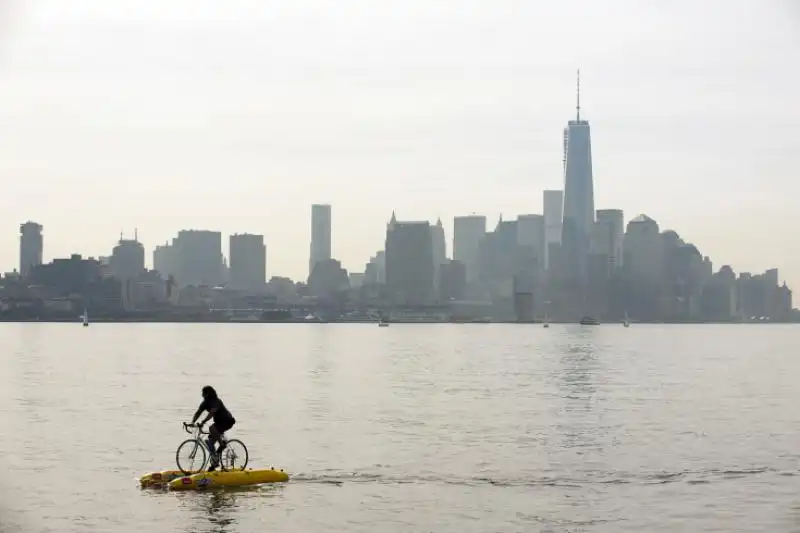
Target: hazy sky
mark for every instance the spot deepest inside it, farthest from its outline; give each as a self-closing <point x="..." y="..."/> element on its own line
<point x="238" y="115"/>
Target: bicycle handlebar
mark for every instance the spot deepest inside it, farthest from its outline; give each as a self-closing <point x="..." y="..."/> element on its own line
<point x="186" y="427"/>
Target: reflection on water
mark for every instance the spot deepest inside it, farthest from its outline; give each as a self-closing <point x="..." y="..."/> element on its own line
<point x="581" y="363"/>
<point x="219" y="508"/>
<point x="410" y="428"/>
<point x="218" y="511"/>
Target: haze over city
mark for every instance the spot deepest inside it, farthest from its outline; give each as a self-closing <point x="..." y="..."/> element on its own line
<point x="237" y="117"/>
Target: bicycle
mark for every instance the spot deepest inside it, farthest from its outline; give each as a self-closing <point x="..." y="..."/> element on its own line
<point x="229" y="455"/>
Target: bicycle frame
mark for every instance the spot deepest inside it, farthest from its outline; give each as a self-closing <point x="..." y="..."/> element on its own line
<point x="197" y="439"/>
<point x="198" y="431"/>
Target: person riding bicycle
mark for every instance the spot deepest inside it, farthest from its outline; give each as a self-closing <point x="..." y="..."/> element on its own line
<point x="223" y="421"/>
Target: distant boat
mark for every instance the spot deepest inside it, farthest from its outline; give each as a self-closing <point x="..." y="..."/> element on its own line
<point x="383" y="324"/>
<point x="85" y="317"/>
<point x="589" y="321"/>
<point x="626" y="322"/>
<point x="545" y="323"/>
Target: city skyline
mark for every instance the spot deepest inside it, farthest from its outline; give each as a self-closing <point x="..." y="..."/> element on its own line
<point x="699" y="139"/>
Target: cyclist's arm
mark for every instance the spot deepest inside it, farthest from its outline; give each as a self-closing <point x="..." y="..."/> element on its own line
<point x="208" y="417"/>
<point x="199" y="411"/>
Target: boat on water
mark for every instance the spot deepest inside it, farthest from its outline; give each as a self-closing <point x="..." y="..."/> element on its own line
<point x="160" y="479"/>
<point x="383" y="324"/>
<point x="589" y="321"/>
<point x="240" y="478"/>
<point x="177" y="480"/>
<point x="85" y="317"/>
<point x="626" y="322"/>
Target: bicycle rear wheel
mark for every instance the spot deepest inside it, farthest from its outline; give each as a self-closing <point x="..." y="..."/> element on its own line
<point x="191" y="456"/>
<point x="234" y="455"/>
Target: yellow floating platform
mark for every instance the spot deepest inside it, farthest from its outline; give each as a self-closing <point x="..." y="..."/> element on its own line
<point x="159" y="479"/>
<point x="237" y="478"/>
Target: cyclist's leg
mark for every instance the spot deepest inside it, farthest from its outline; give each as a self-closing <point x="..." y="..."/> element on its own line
<point x="221" y="429"/>
<point x="213" y="437"/>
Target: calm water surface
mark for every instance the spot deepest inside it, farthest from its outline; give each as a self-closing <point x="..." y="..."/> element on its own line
<point x="424" y="428"/>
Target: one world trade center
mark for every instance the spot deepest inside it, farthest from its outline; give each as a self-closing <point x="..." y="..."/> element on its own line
<point x="578" y="221"/>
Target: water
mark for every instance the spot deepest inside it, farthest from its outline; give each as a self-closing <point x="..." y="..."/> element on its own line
<point x="429" y="428"/>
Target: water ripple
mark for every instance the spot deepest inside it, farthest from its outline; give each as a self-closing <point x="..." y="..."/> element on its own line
<point x="409" y="428"/>
<point x="599" y="478"/>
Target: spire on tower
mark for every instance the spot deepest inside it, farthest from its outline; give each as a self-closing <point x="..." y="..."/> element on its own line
<point x="578" y="107"/>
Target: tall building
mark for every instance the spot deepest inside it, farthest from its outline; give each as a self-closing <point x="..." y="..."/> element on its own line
<point x="553" y="202"/>
<point x="409" y="262"/>
<point x="164" y="260"/>
<point x="320" y="235"/>
<point x="30" y="247"/>
<point x="248" y="261"/>
<point x="609" y="232"/>
<point x="452" y="281"/>
<point x="127" y="258"/>
<point x="328" y="279"/>
<point x="578" y="219"/>
<point x="375" y="270"/>
<point x="643" y="249"/>
<point x="531" y="234"/>
<point x="439" y="249"/>
<point x="198" y="257"/>
<point x="643" y="268"/>
<point x="498" y="259"/>
<point x="468" y="232"/>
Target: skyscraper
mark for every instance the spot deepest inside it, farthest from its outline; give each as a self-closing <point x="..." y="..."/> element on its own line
<point x="409" y="261"/>
<point x="30" y="247"/>
<point x="553" y="202"/>
<point x="248" y="258"/>
<point x="612" y="232"/>
<point x="127" y="258"/>
<point x="468" y="231"/>
<point x="320" y="235"/>
<point x="439" y="249"/>
<point x="164" y="260"/>
<point x="531" y="234"/>
<point x="579" y="214"/>
<point x="198" y="257"/>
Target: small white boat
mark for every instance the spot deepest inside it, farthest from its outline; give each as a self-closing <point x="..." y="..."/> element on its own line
<point x="383" y="324"/>
<point x="85" y="317"/>
<point x="626" y="322"/>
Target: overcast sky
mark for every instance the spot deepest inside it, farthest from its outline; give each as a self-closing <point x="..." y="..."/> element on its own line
<point x="237" y="115"/>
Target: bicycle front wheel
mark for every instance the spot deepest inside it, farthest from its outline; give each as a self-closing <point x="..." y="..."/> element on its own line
<point x="191" y="456"/>
<point x="234" y="455"/>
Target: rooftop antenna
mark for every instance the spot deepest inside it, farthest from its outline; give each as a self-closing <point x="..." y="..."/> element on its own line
<point x="136" y="234"/>
<point x="578" y="107"/>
